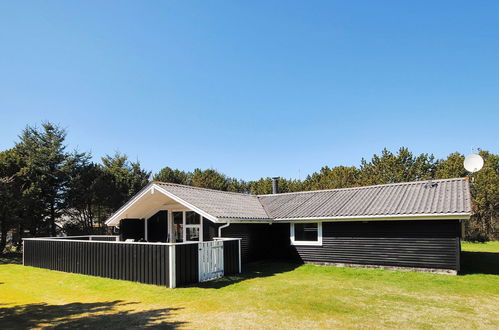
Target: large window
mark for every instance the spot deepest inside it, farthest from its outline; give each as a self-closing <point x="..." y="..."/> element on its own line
<point x="178" y="226"/>
<point x="306" y="233"/>
<point x="186" y="226"/>
<point x="192" y="226"/>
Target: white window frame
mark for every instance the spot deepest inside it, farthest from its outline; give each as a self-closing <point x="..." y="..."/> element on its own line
<point x="199" y="226"/>
<point x="185" y="226"/>
<point x="315" y="243"/>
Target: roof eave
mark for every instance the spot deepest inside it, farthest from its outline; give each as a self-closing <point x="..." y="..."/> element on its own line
<point x="123" y="208"/>
<point x="112" y="219"/>
<point x="252" y="220"/>
<point x="187" y="204"/>
<point x="430" y="216"/>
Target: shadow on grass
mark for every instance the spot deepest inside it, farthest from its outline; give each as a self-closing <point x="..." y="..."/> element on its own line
<point x="11" y="258"/>
<point x="479" y="263"/>
<point x="88" y="315"/>
<point x="252" y="270"/>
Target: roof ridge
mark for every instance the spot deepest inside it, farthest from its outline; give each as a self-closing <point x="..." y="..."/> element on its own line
<point x="201" y="188"/>
<point x="366" y="187"/>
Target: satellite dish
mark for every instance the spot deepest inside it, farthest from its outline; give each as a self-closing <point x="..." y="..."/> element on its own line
<point x="473" y="163"/>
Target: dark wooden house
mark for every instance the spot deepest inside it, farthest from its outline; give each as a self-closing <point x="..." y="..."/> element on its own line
<point x="414" y="225"/>
<point x="175" y="235"/>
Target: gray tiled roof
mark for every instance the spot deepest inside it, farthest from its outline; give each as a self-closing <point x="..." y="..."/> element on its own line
<point x="447" y="197"/>
<point x="220" y="204"/>
<point x="442" y="197"/>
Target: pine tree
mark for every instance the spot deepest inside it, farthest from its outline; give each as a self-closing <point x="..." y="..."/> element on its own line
<point x="45" y="175"/>
<point x="10" y="194"/>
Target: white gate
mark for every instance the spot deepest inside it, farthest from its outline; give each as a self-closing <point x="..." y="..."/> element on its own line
<point x="211" y="260"/>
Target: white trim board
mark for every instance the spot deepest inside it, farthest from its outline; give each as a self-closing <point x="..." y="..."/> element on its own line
<point x="306" y="243"/>
<point x="132" y="201"/>
<point x="171" y="267"/>
<point x="188" y="205"/>
<point x="106" y="242"/>
<point x="152" y="188"/>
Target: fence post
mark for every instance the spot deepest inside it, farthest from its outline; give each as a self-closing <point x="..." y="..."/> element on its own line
<point x="200" y="264"/>
<point x="239" y="248"/>
<point x="171" y="266"/>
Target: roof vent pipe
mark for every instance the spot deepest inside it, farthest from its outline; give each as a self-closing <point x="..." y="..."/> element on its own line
<point x="430" y="184"/>
<point x="275" y="185"/>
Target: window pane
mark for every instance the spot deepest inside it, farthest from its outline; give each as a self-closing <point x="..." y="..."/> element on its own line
<point x="306" y="232"/>
<point x="192" y="234"/>
<point x="177" y="218"/>
<point x="192" y="218"/>
<point x="178" y="232"/>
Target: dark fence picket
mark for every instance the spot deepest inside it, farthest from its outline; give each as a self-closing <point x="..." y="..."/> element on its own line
<point x="146" y="263"/>
<point x="140" y="262"/>
<point x="231" y="257"/>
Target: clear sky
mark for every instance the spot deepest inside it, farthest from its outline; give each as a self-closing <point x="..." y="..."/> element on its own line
<point x="253" y="88"/>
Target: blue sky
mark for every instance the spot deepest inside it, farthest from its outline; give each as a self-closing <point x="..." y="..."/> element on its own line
<point x="253" y="88"/>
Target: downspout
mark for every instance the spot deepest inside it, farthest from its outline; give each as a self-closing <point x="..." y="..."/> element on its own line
<point x="221" y="227"/>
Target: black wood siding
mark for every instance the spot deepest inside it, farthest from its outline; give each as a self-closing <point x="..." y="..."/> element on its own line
<point x="424" y="243"/>
<point x="231" y="257"/>
<point x="145" y="263"/>
<point x="132" y="229"/>
<point x="418" y="243"/>
<point x="186" y="264"/>
<point x="255" y="239"/>
<point x="210" y="229"/>
<point x="157" y="227"/>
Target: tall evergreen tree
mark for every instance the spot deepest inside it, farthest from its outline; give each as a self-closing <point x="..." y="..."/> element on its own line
<point x="168" y="174"/>
<point x="393" y="168"/>
<point x="484" y="224"/>
<point x="124" y="179"/>
<point x="451" y="167"/>
<point x="86" y="197"/>
<point x="261" y="186"/>
<point x="46" y="165"/>
<point x="332" y="178"/>
<point x="209" y="178"/>
<point x="10" y="194"/>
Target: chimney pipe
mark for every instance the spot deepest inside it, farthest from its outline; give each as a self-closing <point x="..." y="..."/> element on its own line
<point x="275" y="185"/>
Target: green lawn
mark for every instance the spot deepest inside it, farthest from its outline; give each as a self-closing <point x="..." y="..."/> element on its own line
<point x="481" y="247"/>
<point x="268" y="295"/>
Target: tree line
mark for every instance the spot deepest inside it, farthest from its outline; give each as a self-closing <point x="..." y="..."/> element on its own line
<point x="46" y="189"/>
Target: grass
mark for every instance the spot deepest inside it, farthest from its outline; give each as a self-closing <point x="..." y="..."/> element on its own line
<point x="481" y="247"/>
<point x="268" y="295"/>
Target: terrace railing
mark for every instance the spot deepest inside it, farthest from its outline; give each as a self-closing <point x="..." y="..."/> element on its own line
<point x="91" y="237"/>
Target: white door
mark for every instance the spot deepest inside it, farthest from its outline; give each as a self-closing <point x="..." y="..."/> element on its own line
<point x="211" y="260"/>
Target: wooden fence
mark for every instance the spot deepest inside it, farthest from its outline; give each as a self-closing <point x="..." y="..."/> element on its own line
<point x="166" y="264"/>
